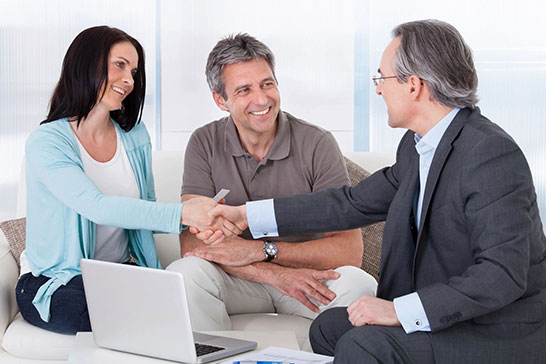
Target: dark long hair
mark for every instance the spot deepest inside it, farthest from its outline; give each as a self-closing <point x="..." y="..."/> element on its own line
<point x="85" y="74"/>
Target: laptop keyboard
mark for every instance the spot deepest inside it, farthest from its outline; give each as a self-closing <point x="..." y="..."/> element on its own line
<point x="203" y="349"/>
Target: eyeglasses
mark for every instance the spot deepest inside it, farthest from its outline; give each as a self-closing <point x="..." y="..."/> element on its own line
<point x="378" y="79"/>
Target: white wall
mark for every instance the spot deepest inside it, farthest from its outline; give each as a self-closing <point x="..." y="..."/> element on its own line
<point x="316" y="43"/>
<point x="313" y="42"/>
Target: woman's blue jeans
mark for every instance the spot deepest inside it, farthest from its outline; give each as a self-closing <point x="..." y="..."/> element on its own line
<point x="68" y="306"/>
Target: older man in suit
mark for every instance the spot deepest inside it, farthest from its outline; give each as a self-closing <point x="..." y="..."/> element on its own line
<point x="463" y="270"/>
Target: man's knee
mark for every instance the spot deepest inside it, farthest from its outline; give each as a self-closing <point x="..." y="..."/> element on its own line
<point x="357" y="345"/>
<point x="201" y="277"/>
<point x="327" y="328"/>
<point x="193" y="268"/>
<point x="383" y="344"/>
<point x="318" y="336"/>
<point x="352" y="284"/>
<point x="187" y="264"/>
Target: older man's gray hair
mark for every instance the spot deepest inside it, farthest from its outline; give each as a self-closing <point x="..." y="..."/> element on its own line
<point x="233" y="49"/>
<point x="436" y="52"/>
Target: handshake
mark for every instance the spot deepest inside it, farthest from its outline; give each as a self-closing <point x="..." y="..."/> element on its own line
<point x="213" y="222"/>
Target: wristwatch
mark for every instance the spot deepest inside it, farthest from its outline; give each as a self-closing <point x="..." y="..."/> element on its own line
<point x="270" y="250"/>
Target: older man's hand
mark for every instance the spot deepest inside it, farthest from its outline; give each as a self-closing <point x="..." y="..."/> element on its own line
<point x="369" y="310"/>
<point x="304" y="284"/>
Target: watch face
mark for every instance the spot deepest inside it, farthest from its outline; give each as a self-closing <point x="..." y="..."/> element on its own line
<point x="271" y="249"/>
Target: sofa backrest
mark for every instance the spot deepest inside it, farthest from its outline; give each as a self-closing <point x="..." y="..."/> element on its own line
<point x="167" y="169"/>
<point x="371" y="161"/>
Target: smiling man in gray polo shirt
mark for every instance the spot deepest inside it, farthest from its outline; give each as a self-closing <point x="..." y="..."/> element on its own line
<point x="260" y="152"/>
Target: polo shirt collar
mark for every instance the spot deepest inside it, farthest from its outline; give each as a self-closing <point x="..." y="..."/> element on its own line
<point x="279" y="150"/>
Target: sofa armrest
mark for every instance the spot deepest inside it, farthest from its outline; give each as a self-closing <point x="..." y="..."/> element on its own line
<point x="8" y="280"/>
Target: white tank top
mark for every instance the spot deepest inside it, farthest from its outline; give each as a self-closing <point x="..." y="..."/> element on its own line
<point x="116" y="178"/>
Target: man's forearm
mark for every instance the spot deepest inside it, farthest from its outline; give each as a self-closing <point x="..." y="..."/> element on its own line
<point x="330" y="252"/>
<point x="334" y="250"/>
<point x="256" y="272"/>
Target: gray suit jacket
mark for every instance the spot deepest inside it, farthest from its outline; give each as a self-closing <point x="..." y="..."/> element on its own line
<point x="478" y="261"/>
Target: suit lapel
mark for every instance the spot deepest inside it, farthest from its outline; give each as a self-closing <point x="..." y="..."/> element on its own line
<point x="438" y="162"/>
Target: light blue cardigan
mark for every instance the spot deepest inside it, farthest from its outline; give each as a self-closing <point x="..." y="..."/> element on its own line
<point x="63" y="206"/>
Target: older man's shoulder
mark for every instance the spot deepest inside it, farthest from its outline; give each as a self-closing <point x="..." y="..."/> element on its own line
<point x="304" y="128"/>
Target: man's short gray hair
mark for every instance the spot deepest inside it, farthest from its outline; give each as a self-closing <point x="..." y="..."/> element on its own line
<point x="436" y="52"/>
<point x="233" y="49"/>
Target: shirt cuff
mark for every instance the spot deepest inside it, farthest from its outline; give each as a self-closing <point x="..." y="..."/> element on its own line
<point x="261" y="218"/>
<point x="411" y="313"/>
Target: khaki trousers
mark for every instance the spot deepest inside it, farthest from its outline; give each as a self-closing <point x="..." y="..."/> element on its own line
<point x="213" y="294"/>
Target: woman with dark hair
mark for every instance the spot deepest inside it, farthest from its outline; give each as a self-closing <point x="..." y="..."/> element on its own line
<point x="90" y="190"/>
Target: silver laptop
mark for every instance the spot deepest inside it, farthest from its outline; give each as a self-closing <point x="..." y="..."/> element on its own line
<point x="145" y="311"/>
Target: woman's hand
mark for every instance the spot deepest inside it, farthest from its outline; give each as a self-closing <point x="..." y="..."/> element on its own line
<point x="234" y="215"/>
<point x="195" y="213"/>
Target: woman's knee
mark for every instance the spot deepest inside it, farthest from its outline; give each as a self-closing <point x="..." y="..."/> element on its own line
<point x="69" y="313"/>
<point x="68" y="307"/>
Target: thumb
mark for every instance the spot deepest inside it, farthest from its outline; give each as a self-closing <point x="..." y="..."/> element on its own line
<point x="214" y="213"/>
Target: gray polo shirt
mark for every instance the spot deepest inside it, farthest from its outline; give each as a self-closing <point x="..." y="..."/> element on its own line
<point x="303" y="158"/>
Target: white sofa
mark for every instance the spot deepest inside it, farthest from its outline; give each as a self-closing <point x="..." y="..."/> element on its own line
<point x="23" y="343"/>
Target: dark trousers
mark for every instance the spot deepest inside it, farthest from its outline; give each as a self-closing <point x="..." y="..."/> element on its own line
<point x="332" y="334"/>
<point x="68" y="305"/>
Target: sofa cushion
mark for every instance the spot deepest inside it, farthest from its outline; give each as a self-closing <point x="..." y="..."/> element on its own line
<point x="24" y="340"/>
<point x="274" y="322"/>
<point x="15" y="233"/>
<point x="372" y="235"/>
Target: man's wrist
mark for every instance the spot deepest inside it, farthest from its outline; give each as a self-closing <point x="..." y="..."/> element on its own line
<point x="258" y="251"/>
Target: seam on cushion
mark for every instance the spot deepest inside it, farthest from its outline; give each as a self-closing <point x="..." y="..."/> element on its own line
<point x="4" y="240"/>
